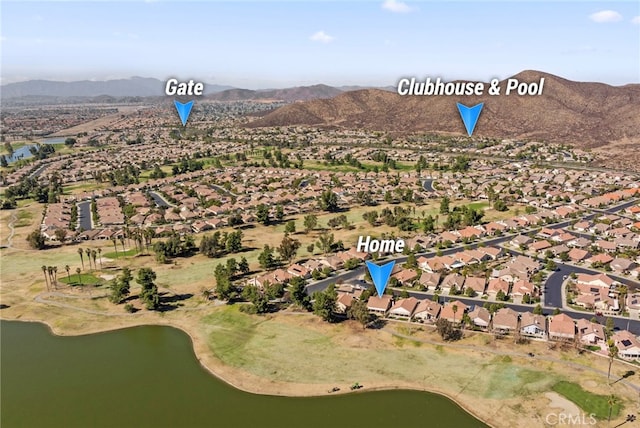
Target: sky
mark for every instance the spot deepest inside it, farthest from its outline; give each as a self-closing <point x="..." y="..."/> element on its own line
<point x="266" y="44"/>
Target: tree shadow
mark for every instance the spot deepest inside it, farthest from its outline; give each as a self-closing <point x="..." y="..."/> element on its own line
<point x="3" y="306"/>
<point x="175" y="298"/>
<point x="627" y="374"/>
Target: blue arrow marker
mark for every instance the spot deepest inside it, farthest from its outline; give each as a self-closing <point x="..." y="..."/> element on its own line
<point x="470" y="116"/>
<point x="183" y="110"/>
<point x="380" y="275"/>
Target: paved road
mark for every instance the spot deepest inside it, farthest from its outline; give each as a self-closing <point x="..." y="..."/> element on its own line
<point x="84" y="215"/>
<point x="428" y="185"/>
<point x="159" y="200"/>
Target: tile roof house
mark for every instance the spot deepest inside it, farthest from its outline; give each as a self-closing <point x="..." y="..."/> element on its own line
<point x="561" y="327"/>
<point x="628" y="345"/>
<point x="404" y="308"/>
<point x="480" y="317"/>
<point x="505" y="320"/>
<point x="379" y="305"/>
<point x="427" y="310"/>
<point x="533" y="325"/>
<point x="590" y="333"/>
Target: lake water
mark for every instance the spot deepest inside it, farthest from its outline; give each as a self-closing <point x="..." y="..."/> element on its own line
<point x="24" y="153"/>
<point x="149" y="377"/>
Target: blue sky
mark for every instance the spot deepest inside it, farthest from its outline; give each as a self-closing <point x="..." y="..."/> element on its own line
<point x="275" y="44"/>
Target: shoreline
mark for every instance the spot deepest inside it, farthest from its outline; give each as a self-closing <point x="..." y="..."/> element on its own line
<point x="259" y="391"/>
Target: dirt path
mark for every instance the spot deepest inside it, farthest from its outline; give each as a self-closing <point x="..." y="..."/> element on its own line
<point x="12" y="229"/>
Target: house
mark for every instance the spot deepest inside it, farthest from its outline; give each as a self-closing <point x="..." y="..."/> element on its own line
<point x="495" y="286"/>
<point x="633" y="301"/>
<point x="598" y="280"/>
<point x="404" y="308"/>
<point x="406" y="276"/>
<point x="477" y="284"/>
<point x="621" y="265"/>
<point x="429" y="280"/>
<point x="344" y="302"/>
<point x="427" y="311"/>
<point x="505" y="321"/>
<point x="450" y="281"/>
<point x="299" y="270"/>
<point x="540" y="246"/>
<point x="577" y="255"/>
<point x="590" y="333"/>
<point x="628" y="345"/>
<point x="521" y="240"/>
<point x="480" y="317"/>
<point x="533" y="325"/>
<point x="562" y="328"/>
<point x="601" y="259"/>
<point x="522" y="287"/>
<point x="379" y="305"/>
<point x="453" y="310"/>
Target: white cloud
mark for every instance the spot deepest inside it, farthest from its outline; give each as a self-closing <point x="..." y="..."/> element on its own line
<point x="396" y="6"/>
<point x="636" y="20"/>
<point x="322" y="37"/>
<point x="605" y="16"/>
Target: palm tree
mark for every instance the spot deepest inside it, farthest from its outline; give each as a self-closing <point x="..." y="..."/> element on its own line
<point x="79" y="277"/>
<point x="115" y="247"/>
<point x="55" y="276"/>
<point x="81" y="257"/>
<point x="67" y="268"/>
<point x="100" y="254"/>
<point x="454" y="308"/>
<point x="44" y="271"/>
<point x="611" y="401"/>
<point x="94" y="254"/>
<point x="50" y="272"/>
<point x="88" y="253"/>
<point x="613" y="351"/>
<point x="206" y="294"/>
<point x="121" y="239"/>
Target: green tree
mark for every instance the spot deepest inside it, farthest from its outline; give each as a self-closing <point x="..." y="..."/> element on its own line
<point x="279" y="212"/>
<point x="149" y="293"/>
<point x="243" y="265"/>
<point x="298" y="292"/>
<point x="224" y="287"/>
<point x="444" y="205"/>
<point x="310" y="222"/>
<point x="262" y="214"/>
<point x="266" y="259"/>
<point x="328" y="201"/>
<point x="288" y="248"/>
<point x="359" y="312"/>
<point x="324" y="304"/>
<point x="36" y="240"/>
<point x="290" y="227"/>
<point x="538" y="309"/>
<point x="325" y="242"/>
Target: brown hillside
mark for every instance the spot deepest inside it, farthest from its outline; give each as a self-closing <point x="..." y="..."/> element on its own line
<point x="581" y="113"/>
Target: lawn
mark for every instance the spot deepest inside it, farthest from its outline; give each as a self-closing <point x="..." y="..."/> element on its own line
<point x="112" y="255"/>
<point x="84" y="279"/>
<point x="587" y="401"/>
<point x="23" y="218"/>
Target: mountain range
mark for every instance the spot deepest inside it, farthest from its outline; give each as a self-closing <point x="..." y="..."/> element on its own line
<point x="132" y="87"/>
<point x="581" y="113"/>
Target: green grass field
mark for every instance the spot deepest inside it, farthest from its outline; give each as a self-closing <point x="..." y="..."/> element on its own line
<point x="23" y="218"/>
<point x="587" y="401"/>
<point x="83" y="279"/>
<point x="128" y="253"/>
